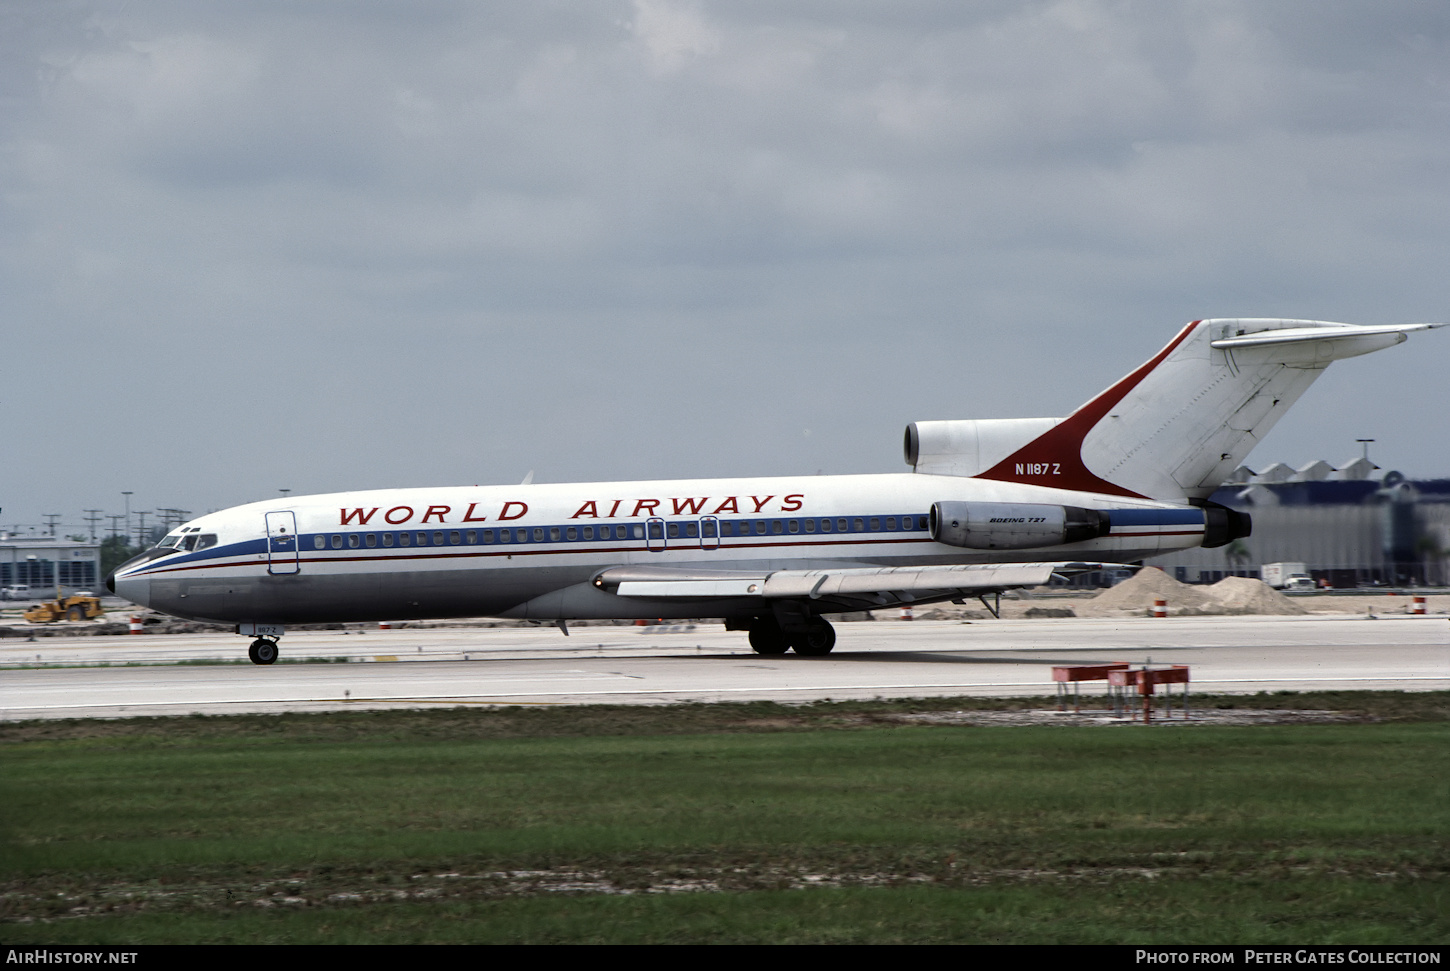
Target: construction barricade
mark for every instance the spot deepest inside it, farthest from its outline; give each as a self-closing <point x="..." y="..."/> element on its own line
<point x="1075" y="674"/>
<point x="1142" y="681"/>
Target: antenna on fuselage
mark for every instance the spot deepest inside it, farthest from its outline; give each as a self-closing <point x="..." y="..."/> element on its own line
<point x="528" y="479"/>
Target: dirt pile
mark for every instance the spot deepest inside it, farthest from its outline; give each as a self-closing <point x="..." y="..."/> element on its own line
<point x="1234" y="595"/>
<point x="1245" y="595"/>
<point x="1136" y="595"/>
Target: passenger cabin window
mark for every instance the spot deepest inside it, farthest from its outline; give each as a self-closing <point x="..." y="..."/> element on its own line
<point x="337" y="542"/>
<point x="387" y="539"/>
<point x="354" y="540"/>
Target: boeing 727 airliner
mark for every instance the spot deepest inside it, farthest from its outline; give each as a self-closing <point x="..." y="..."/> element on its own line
<point x="989" y="505"/>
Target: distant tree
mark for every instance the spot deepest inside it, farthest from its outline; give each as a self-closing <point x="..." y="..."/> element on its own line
<point x="115" y="551"/>
<point x="78" y="537"/>
<point x="1237" y="553"/>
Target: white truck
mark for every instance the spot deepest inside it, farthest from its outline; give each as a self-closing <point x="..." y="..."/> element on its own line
<point x="1287" y="576"/>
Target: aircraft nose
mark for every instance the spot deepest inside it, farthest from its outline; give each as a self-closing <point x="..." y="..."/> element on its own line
<point x="135" y="589"/>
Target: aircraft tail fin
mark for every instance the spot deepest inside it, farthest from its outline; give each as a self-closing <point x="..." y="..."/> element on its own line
<point x="1175" y="427"/>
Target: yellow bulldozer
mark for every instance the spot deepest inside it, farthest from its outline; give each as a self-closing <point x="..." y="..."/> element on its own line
<point x="78" y="607"/>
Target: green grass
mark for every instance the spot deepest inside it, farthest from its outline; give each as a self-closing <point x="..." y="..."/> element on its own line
<point x="772" y="823"/>
<point x="1142" y="912"/>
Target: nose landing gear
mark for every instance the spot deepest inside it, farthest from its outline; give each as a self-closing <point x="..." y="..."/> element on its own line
<point x="263" y="651"/>
<point x="264" y="648"/>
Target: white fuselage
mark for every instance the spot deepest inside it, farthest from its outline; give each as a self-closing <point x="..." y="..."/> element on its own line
<point x="530" y="551"/>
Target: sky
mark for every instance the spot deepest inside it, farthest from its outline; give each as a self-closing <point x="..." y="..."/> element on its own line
<point x="325" y="246"/>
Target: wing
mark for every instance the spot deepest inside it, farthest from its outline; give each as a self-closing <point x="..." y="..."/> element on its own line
<point x="848" y="589"/>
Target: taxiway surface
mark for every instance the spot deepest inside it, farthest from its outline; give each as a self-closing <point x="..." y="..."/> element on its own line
<point x="62" y="677"/>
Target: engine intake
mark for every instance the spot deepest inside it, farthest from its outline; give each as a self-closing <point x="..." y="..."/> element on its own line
<point x="1013" y="525"/>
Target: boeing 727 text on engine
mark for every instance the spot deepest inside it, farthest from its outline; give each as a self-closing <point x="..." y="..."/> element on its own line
<point x="989" y="505"/>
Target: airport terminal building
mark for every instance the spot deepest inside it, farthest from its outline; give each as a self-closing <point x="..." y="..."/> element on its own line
<point x="41" y="562"/>
<point x="1353" y="526"/>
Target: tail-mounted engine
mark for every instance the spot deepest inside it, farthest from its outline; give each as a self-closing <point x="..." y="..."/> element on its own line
<point x="1014" y="525"/>
<point x="1222" y="525"/>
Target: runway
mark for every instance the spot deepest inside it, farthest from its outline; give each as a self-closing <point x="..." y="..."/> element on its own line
<point x="109" y="677"/>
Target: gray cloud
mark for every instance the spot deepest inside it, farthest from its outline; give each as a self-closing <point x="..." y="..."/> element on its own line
<point x="327" y="246"/>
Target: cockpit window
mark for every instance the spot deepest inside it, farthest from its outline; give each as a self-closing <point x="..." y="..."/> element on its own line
<point x="188" y="538"/>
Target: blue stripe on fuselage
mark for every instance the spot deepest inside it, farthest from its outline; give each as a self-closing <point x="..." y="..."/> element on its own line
<point x="1155" y="517"/>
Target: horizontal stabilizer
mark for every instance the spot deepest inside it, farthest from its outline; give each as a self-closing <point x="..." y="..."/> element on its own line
<point x="1320" y="332"/>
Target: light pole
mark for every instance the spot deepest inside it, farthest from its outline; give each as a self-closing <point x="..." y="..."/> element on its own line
<point x="128" y="517"/>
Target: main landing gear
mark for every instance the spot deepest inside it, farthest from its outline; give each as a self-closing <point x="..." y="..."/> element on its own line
<point x="263" y="651"/>
<point x="814" y="639"/>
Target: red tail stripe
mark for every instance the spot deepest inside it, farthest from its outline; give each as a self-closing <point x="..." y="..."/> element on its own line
<point x="1060" y="448"/>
